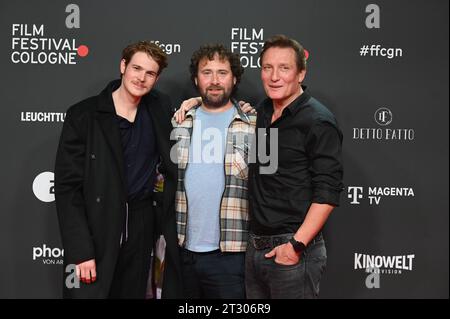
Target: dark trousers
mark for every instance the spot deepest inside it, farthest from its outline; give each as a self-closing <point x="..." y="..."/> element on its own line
<point x="266" y="279"/>
<point x="133" y="264"/>
<point x="213" y="275"/>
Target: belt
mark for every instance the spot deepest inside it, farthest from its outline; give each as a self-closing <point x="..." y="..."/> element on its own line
<point x="270" y="242"/>
<point x="187" y="251"/>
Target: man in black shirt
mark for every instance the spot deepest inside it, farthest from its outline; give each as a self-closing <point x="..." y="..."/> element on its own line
<point x="286" y="255"/>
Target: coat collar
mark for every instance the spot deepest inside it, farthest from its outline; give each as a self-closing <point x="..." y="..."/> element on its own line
<point x="106" y="103"/>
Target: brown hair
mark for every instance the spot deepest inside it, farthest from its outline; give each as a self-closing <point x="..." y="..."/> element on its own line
<point x="209" y="51"/>
<point x="152" y="49"/>
<point x="282" y="41"/>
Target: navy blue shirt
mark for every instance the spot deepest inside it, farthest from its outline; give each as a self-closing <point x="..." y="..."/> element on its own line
<point x="140" y="153"/>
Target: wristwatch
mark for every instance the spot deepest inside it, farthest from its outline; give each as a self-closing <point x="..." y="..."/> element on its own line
<point x="299" y="247"/>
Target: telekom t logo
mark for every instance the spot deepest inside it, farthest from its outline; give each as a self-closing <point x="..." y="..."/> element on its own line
<point x="355" y="193"/>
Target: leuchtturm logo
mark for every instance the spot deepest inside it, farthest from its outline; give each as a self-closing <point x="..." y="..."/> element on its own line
<point x="383" y="116"/>
<point x="375" y="193"/>
<point x="46" y="117"/>
<point x="33" y="44"/>
<point x="43" y="187"/>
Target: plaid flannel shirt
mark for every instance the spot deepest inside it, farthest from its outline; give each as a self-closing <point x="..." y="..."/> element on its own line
<point x="234" y="204"/>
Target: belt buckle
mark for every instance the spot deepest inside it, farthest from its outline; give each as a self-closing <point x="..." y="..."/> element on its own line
<point x="260" y="243"/>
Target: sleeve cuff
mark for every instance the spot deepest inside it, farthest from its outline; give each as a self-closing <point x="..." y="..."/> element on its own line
<point x="327" y="196"/>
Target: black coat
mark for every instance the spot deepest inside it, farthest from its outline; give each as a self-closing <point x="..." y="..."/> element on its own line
<point x="90" y="189"/>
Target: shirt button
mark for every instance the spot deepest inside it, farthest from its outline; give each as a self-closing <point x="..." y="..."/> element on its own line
<point x="98" y="199"/>
<point x="93" y="156"/>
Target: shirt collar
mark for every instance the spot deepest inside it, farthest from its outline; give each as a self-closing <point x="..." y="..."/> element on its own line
<point x="292" y="108"/>
<point x="238" y="114"/>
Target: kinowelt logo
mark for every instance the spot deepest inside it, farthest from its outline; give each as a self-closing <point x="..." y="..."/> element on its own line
<point x="393" y="265"/>
<point x="376" y="265"/>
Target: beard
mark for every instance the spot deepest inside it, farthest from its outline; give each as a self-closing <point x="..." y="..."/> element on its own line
<point x="215" y="101"/>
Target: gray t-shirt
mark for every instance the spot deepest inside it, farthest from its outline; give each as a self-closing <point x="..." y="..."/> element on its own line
<point x="205" y="179"/>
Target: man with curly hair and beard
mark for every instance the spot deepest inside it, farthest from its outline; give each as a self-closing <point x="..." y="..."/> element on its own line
<point x="211" y="199"/>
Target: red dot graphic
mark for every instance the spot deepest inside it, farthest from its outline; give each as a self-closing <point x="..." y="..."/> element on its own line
<point x="83" y="50"/>
<point x="306" y="54"/>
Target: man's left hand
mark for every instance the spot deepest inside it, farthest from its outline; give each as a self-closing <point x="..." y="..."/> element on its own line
<point x="284" y="255"/>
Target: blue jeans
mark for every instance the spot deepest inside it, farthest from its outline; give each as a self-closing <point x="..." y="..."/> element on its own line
<point x="213" y="275"/>
<point x="265" y="279"/>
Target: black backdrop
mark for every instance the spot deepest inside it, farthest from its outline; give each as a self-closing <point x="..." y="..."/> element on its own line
<point x="391" y="103"/>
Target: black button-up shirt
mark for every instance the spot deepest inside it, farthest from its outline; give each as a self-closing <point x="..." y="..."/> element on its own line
<point x="140" y="153"/>
<point x="309" y="169"/>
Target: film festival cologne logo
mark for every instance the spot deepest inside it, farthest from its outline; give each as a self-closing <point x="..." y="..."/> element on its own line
<point x="248" y="43"/>
<point x="33" y="43"/>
